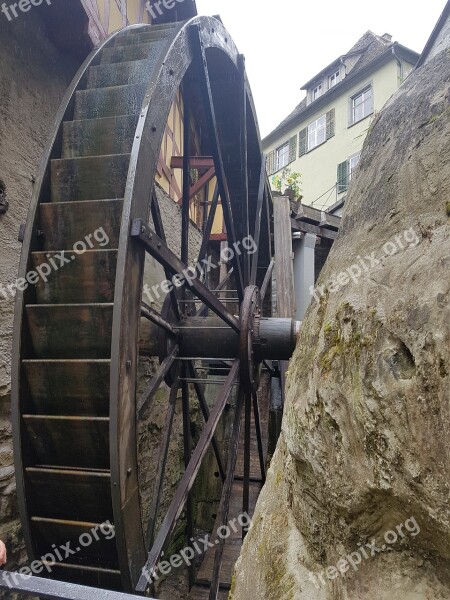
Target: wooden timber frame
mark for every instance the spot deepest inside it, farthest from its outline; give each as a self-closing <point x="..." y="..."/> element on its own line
<point x="76" y="337"/>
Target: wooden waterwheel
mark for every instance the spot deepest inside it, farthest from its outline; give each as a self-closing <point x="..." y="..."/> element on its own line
<point x="76" y="339"/>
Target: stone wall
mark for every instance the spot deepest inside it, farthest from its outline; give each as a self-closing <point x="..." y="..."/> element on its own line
<point x="363" y="456"/>
<point x="34" y="76"/>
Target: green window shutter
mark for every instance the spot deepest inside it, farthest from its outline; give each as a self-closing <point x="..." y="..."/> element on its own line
<point x="342" y="177"/>
<point x="293" y="148"/>
<point x="330" y="123"/>
<point x="270" y="163"/>
<point x="303" y="137"/>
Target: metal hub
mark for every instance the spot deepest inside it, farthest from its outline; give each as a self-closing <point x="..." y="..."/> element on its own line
<point x="250" y="316"/>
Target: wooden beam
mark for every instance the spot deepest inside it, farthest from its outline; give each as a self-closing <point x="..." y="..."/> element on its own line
<point x="308" y="228"/>
<point x="284" y="270"/>
<point x="197" y="162"/>
<point x="319" y="217"/>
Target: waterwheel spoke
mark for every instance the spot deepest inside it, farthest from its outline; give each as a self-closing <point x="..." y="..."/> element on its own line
<point x="224" y="507"/>
<point x="155" y="246"/>
<point x="267" y="279"/>
<point x="256" y="414"/>
<point x="209" y="225"/>
<point x="187" y="481"/>
<point x="149" y="313"/>
<point x="187" y="458"/>
<point x="156" y="381"/>
<point x="162" y="458"/>
<point x="159" y="229"/>
<point x="210" y="114"/>
<point x="258" y="217"/>
<point x="205" y="411"/>
<point x="247" y="455"/>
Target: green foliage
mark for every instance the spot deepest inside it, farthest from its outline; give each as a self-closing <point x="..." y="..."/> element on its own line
<point x="288" y="179"/>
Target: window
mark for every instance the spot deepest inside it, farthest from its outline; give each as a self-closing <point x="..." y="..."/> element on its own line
<point x="282" y="156"/>
<point x="361" y="105"/>
<point x="345" y="171"/>
<point x="321" y="130"/>
<point x="334" y="79"/>
<point x="352" y="164"/>
<point x="317" y="92"/>
<point x="317" y="132"/>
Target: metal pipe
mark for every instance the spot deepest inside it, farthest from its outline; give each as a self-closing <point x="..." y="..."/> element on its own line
<point x="56" y="590"/>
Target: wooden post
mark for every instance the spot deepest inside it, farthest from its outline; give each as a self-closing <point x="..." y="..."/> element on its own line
<point x="284" y="277"/>
<point x="284" y="270"/>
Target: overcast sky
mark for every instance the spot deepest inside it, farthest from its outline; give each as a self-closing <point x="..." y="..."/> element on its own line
<point x="286" y="42"/>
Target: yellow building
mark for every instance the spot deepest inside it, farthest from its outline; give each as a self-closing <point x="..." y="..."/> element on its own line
<point x="323" y="137"/>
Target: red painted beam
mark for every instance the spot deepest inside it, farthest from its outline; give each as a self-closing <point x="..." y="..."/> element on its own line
<point x="197" y="162"/>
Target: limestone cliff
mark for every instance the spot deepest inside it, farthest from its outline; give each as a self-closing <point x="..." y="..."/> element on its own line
<point x="356" y="505"/>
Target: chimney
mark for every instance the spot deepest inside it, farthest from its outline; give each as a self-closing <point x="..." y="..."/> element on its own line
<point x="387" y="37"/>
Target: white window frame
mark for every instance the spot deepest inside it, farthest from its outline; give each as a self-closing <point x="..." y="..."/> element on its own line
<point x="282" y="156"/>
<point x="353" y="162"/>
<point x="317" y="91"/>
<point x="334" y="79"/>
<point x="366" y="103"/>
<point x="316" y="130"/>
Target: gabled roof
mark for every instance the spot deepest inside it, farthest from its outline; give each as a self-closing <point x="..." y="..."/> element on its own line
<point x="439" y="25"/>
<point x="369" y="41"/>
<point x="373" y="51"/>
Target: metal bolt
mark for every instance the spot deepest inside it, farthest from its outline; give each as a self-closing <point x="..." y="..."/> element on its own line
<point x="142" y="229"/>
<point x="128" y="364"/>
<point x="129" y="471"/>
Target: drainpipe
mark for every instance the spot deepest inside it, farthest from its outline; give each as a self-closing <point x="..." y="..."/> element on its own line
<point x="399" y="62"/>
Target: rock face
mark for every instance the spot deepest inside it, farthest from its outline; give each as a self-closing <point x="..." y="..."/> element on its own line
<point x="356" y="505"/>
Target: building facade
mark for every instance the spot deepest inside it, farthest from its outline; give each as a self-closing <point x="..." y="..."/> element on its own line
<point x="323" y="137"/>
